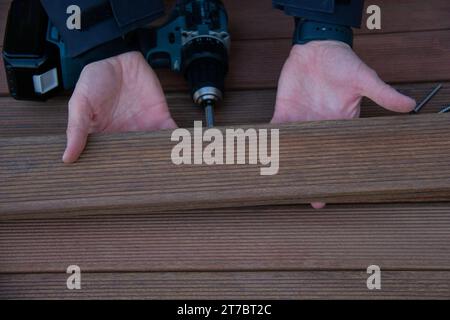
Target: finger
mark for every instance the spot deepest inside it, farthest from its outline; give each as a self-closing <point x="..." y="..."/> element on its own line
<point x="384" y="95"/>
<point x="77" y="129"/>
<point x="168" y="124"/>
<point x="318" y="205"/>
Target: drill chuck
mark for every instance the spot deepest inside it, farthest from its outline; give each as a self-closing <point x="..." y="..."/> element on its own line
<point x="206" y="78"/>
<point x="207" y="93"/>
<point x="205" y="69"/>
<point x="207" y="97"/>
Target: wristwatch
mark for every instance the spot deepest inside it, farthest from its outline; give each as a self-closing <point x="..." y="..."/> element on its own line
<point x="308" y="30"/>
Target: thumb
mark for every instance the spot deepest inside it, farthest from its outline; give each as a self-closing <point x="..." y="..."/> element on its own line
<point x="77" y="129"/>
<point x="384" y="95"/>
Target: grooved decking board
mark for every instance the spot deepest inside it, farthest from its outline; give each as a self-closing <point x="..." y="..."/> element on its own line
<point x="395" y="237"/>
<point x="24" y="118"/>
<point x="400" y="57"/>
<point x="378" y="159"/>
<point x="229" y="285"/>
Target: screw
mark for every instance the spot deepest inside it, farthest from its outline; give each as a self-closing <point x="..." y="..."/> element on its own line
<point x="445" y="109"/>
<point x="427" y="99"/>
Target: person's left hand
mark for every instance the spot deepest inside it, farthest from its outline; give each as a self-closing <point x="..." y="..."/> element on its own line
<point x="326" y="80"/>
<point x="119" y="94"/>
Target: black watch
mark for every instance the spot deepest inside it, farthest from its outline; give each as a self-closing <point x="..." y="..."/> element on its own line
<point x="308" y="30"/>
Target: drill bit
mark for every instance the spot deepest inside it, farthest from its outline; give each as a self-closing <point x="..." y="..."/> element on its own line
<point x="427" y="99"/>
<point x="208" y="105"/>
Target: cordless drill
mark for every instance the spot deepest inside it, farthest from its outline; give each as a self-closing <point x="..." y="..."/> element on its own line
<point x="194" y="41"/>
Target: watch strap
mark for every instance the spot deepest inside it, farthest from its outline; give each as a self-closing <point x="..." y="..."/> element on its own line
<point x="308" y="30"/>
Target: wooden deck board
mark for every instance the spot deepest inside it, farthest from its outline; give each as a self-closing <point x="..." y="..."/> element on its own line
<point x="25" y="118"/>
<point x="251" y="21"/>
<point x="395" y="237"/>
<point x="229" y="285"/>
<point x="377" y="159"/>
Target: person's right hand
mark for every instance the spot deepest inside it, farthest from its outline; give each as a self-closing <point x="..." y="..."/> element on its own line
<point x="119" y="94"/>
<point x="326" y="80"/>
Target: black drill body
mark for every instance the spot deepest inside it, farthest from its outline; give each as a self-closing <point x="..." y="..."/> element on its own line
<point x="195" y="41"/>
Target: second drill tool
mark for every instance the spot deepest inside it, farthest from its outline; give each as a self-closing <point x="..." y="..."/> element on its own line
<point x="194" y="41"/>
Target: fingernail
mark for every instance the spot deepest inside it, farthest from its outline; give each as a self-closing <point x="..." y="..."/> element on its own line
<point x="318" y="205"/>
<point x="65" y="156"/>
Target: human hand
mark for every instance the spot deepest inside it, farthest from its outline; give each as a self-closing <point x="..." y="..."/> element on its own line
<point x="326" y="80"/>
<point x="119" y="94"/>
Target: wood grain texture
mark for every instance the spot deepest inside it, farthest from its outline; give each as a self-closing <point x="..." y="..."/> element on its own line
<point x="378" y="159"/>
<point x="250" y="21"/>
<point x="25" y="118"/>
<point x="290" y="238"/>
<point x="229" y="285"/>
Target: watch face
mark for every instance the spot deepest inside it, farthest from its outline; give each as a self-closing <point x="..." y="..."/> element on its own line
<point x="25" y="35"/>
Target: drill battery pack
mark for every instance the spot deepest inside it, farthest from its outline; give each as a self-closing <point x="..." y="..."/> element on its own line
<point x="32" y="63"/>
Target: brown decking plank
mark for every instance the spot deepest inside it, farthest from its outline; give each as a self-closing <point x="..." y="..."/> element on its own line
<point x="395" y="237"/>
<point x="255" y="19"/>
<point x="229" y="285"/>
<point x="377" y="159"/>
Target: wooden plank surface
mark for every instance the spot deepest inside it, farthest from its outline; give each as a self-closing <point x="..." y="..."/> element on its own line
<point x="229" y="285"/>
<point x="25" y="118"/>
<point x="395" y="237"/>
<point x="378" y="159"/>
<point x="250" y="21"/>
<point x="261" y="252"/>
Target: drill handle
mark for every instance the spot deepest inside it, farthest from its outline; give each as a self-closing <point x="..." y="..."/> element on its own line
<point x="162" y="46"/>
<point x="156" y="56"/>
